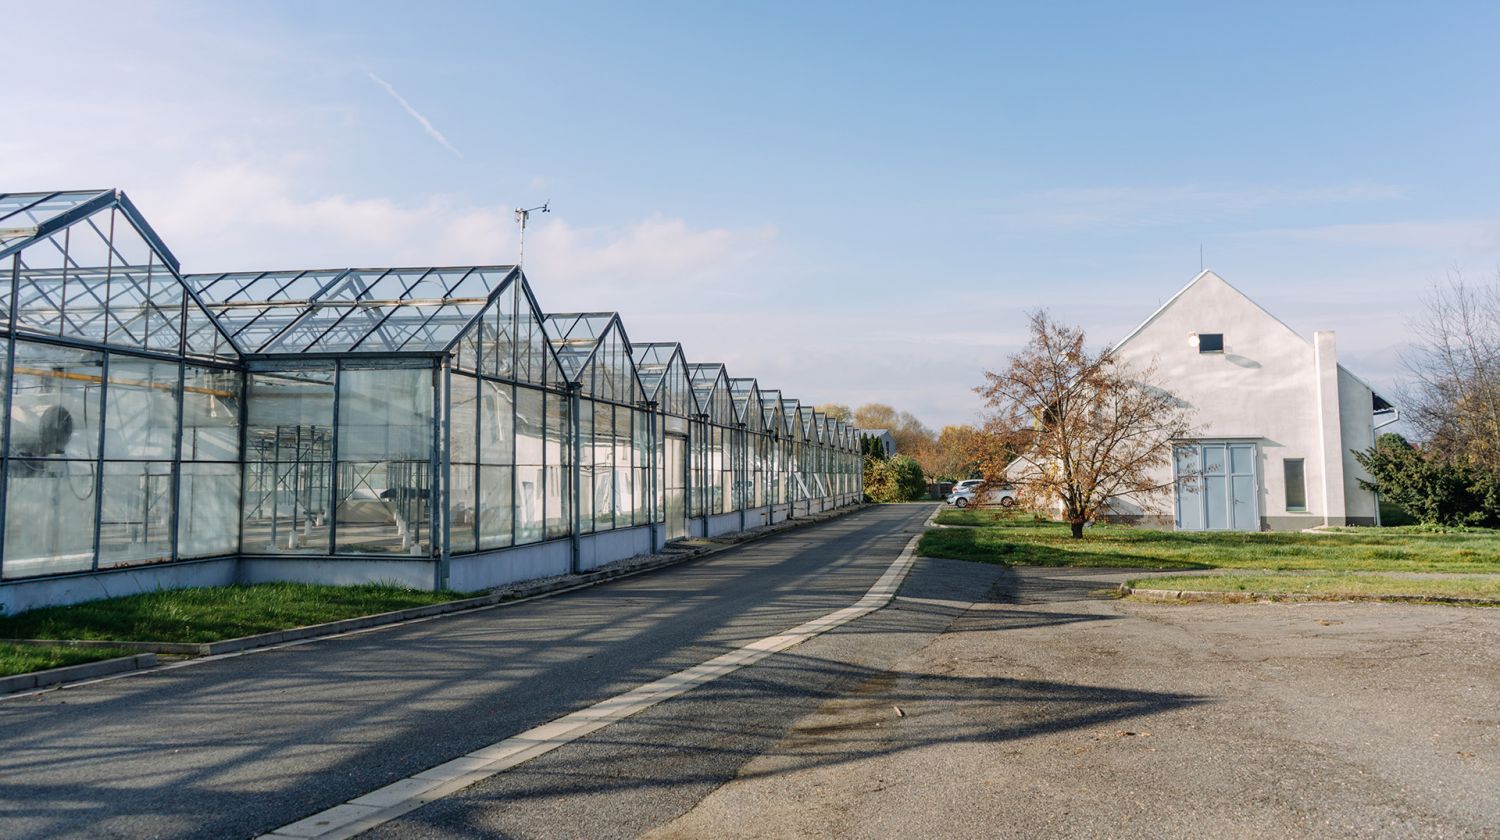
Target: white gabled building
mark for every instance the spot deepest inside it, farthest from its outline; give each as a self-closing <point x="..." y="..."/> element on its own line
<point x="1277" y="417"/>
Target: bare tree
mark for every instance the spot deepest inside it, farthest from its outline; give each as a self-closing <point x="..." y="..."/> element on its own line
<point x="1083" y="429"/>
<point x="1453" y="401"/>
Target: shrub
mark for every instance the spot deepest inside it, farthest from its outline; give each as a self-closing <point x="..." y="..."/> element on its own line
<point x="895" y="479"/>
<point x="1433" y="489"/>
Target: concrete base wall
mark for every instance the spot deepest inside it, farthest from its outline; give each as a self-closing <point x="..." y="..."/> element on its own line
<point x="473" y="572"/>
<point x="420" y="573"/>
<point x="723" y="523"/>
<point x="595" y="550"/>
<point x="22" y="595"/>
<point x="779" y="513"/>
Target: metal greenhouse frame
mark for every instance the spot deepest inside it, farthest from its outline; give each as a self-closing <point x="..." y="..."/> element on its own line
<point x="432" y="426"/>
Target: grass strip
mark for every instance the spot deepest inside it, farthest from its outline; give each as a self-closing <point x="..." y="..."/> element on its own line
<point x="214" y="613"/>
<point x="23" y="659"/>
<point x="1363" y="585"/>
<point x="991" y="536"/>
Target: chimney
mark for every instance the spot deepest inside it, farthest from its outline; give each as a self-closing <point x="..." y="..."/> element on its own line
<point x="1330" y="428"/>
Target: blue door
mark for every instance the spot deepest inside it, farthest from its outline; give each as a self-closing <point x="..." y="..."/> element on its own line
<point x="1216" y="487"/>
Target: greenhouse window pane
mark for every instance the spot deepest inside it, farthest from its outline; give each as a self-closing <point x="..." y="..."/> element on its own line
<point x="385" y="414"/>
<point x="49" y="517"/>
<point x="211" y="414"/>
<point x="497" y="423"/>
<point x="495" y="506"/>
<point x="209" y="505"/>
<point x="140" y="409"/>
<point x="383" y="507"/>
<point x="135" y="519"/>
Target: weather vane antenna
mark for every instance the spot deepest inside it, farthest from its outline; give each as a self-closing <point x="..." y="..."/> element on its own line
<point x="522" y="217"/>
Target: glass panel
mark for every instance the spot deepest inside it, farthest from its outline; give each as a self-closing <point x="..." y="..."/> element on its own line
<point x="461" y="508"/>
<point x="210" y="502"/>
<point x="55" y="398"/>
<point x="624" y="483"/>
<point x="383" y="507"/>
<point x="463" y="450"/>
<point x="385" y="414"/>
<point x="211" y="414"/>
<point x="559" y="462"/>
<point x="495" y="507"/>
<point x="464" y="419"/>
<point x="141" y="409"/>
<point x="49" y="517"/>
<point x="135" y="520"/>
<point x="288" y="469"/>
<point x="586" y="409"/>
<point x="530" y="480"/>
<point x="497" y="423"/>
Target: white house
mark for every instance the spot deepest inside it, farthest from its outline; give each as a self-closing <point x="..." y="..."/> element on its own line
<point x="1277" y="417"/>
<point x="887" y="442"/>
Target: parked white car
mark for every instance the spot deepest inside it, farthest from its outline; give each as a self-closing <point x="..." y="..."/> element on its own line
<point x="1003" y="495"/>
<point x="966" y="484"/>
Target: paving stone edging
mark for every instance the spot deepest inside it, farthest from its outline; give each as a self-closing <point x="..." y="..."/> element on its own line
<point x="72" y="673"/>
<point x="510" y="594"/>
<point x="1297" y="597"/>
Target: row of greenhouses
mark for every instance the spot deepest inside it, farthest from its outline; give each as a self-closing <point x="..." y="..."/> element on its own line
<point x="430" y="426"/>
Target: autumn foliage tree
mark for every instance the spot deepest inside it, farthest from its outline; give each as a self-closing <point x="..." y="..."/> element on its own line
<point x="1083" y="429"/>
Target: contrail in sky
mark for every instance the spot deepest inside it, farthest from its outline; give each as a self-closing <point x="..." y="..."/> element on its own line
<point x="426" y="125"/>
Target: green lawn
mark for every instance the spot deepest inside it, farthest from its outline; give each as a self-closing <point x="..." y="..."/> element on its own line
<point x="1337" y="585"/>
<point x="23" y="659"/>
<point x="212" y="614"/>
<point x="1021" y="540"/>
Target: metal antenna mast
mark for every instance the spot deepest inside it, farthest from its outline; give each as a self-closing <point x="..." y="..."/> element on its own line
<point x="523" y="216"/>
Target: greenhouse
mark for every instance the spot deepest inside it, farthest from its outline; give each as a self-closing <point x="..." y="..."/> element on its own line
<point x="430" y="426"/>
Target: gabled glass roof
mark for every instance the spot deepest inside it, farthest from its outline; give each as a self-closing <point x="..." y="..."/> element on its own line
<point x="29" y="215"/>
<point x="663" y="374"/>
<point x="747" y="402"/>
<point x="711" y="392"/>
<point x="574" y="335"/>
<point x="770" y="402"/>
<point x="351" y="310"/>
<point x="89" y="268"/>
<point x="595" y="352"/>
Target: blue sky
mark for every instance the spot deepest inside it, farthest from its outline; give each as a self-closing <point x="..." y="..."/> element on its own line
<point x="850" y="202"/>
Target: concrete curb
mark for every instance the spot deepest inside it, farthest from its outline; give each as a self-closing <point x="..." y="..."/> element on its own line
<point x="1296" y="597"/>
<point x="72" y="673"/>
<point x="499" y="597"/>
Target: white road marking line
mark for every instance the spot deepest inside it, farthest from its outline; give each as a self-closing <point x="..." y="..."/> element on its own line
<point x="384" y="804"/>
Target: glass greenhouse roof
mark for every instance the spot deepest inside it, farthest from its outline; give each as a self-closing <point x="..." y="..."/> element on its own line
<point x="27" y="215"/>
<point x="651" y="361"/>
<point x="574" y="335"/>
<point x="352" y="310"/>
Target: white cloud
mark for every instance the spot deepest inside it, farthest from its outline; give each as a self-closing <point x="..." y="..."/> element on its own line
<point x="1452" y="237"/>
<point x="246" y="217"/>
<point x="1128" y="208"/>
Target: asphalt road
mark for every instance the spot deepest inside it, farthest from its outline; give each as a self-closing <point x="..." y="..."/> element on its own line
<point x="1046" y="711"/>
<point x="242" y="745"/>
